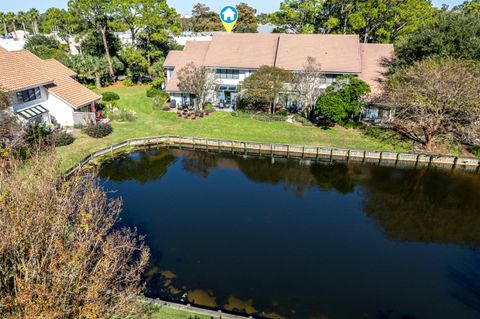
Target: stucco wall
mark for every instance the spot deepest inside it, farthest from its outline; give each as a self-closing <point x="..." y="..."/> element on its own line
<point x="61" y="111"/>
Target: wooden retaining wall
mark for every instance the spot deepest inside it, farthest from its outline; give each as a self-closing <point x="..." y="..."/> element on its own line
<point x="312" y="153"/>
<point x="195" y="310"/>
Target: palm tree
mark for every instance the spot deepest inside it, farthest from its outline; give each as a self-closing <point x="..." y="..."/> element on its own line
<point x="90" y="67"/>
<point x="22" y="18"/>
<point x="33" y="15"/>
<point x="12" y="20"/>
<point x="3" y="20"/>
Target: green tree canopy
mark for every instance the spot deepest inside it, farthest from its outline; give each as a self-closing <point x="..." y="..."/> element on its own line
<point x="203" y="19"/>
<point x="452" y="34"/>
<point x="264" y="86"/>
<point x="247" y="21"/>
<point x="373" y="20"/>
<point x="343" y="100"/>
<point x="45" y="47"/>
<point x="97" y="14"/>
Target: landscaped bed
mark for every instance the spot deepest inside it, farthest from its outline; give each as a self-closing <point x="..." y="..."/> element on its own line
<point x="222" y="125"/>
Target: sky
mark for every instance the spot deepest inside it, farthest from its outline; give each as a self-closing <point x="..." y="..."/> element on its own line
<point x="182" y="6"/>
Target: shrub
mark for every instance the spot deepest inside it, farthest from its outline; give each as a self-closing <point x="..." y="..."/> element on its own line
<point x="282" y="112"/>
<point x="106" y="105"/>
<point x="120" y="115"/>
<point x="260" y="116"/>
<point x="209" y="108"/>
<point x="158" y="103"/>
<point x="62" y="139"/>
<point x="153" y="92"/>
<point x="302" y="120"/>
<point x="128" y="82"/>
<point x="110" y="96"/>
<point x="475" y="150"/>
<point x="157" y="83"/>
<point x="37" y="134"/>
<point x="98" y="130"/>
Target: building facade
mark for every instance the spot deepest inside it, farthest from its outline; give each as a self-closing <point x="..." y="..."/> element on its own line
<point x="234" y="57"/>
<point x="44" y="90"/>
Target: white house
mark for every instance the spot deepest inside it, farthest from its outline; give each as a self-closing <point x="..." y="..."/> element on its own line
<point x="44" y="90"/>
<point x="233" y="57"/>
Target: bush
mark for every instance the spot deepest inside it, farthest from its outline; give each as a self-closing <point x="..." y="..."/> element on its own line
<point x="98" y="130"/>
<point x="37" y="134"/>
<point x="110" y="96"/>
<point x="260" y="116"/>
<point x="153" y="91"/>
<point x="120" y="115"/>
<point x="157" y="83"/>
<point x="158" y="103"/>
<point x="282" y="112"/>
<point x="128" y="82"/>
<point x="209" y="108"/>
<point x="475" y="150"/>
<point x="62" y="139"/>
<point x="302" y="120"/>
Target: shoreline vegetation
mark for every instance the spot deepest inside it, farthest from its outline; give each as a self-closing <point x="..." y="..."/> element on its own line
<point x="221" y="125"/>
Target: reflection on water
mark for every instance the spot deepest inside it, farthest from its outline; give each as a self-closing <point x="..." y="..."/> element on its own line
<point x="286" y="239"/>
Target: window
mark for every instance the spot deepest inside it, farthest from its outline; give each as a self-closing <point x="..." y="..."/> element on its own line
<point x="330" y="78"/>
<point x="228" y="74"/>
<point x="29" y="95"/>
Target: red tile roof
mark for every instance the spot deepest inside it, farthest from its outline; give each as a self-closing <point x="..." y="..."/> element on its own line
<point x="335" y="53"/>
<point x="22" y="69"/>
<point x="374" y="68"/>
<point x="17" y="73"/>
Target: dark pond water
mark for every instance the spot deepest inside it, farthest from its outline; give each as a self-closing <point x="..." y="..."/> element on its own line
<point x="293" y="240"/>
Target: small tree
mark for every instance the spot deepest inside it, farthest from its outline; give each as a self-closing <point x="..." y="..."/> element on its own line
<point x="59" y="254"/>
<point x="197" y="80"/>
<point x="307" y="83"/>
<point x="436" y="97"/>
<point x="343" y="100"/>
<point x="10" y="129"/>
<point x="265" y="85"/>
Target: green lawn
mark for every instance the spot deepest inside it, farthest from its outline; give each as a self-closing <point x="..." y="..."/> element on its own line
<point x="219" y="125"/>
<point x="168" y="313"/>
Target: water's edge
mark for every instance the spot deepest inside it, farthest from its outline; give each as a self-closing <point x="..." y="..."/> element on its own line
<point x="301" y="152"/>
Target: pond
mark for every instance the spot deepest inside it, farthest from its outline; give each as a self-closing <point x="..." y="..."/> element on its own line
<point x="290" y="239"/>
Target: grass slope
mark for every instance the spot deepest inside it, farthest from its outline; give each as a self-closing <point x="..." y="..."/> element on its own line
<point x="168" y="313"/>
<point x="219" y="125"/>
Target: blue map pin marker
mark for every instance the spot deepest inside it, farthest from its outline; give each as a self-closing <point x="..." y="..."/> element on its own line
<point x="229" y="17"/>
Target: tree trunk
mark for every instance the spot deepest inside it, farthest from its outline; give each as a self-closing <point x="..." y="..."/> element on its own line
<point x="24" y="28"/>
<point x="103" y="31"/>
<point x="36" y="26"/>
<point x="428" y="141"/>
<point x="67" y="39"/>
<point x="5" y="28"/>
<point x="134" y="35"/>
<point x="98" y="82"/>
<point x="33" y="28"/>
<point x="15" y="31"/>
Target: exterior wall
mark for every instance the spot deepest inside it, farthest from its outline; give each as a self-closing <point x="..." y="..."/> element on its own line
<point x="169" y="73"/>
<point x="61" y="111"/>
<point x="19" y="105"/>
<point x="288" y="99"/>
